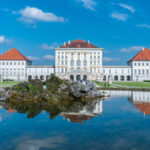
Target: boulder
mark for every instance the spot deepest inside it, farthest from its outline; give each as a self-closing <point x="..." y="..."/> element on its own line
<point x="84" y="89"/>
<point x="62" y="88"/>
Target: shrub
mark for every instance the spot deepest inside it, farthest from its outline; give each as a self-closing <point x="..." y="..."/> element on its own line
<point x="146" y="80"/>
<point x="53" y="83"/>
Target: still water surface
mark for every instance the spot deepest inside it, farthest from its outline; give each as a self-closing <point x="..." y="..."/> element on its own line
<point x="121" y="122"/>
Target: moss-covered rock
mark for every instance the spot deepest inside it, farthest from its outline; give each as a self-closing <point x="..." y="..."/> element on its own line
<point x="53" y="83"/>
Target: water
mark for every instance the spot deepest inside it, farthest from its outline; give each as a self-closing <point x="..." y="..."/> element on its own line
<point x="119" y="122"/>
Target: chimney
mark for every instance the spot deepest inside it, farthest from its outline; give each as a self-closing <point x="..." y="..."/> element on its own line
<point x="69" y="42"/>
<point x="143" y="48"/>
<point x="64" y="43"/>
<point x="88" y="41"/>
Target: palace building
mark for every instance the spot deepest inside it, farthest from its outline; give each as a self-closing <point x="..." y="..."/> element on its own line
<point x="79" y="60"/>
<point x="76" y="60"/>
<point x="16" y="67"/>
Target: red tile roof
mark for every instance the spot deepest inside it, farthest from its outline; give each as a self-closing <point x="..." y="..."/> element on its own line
<point x="13" y="54"/>
<point x="78" y="44"/>
<point x="78" y="118"/>
<point x="143" y="55"/>
<point x="11" y="110"/>
<point x="143" y="107"/>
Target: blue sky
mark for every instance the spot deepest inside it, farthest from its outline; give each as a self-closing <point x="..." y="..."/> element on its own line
<point x="36" y="27"/>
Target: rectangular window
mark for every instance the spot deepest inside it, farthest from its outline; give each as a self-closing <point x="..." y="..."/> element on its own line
<point x="147" y="71"/>
<point x="91" y="70"/>
<point x="139" y="71"/>
<point x="128" y="71"/>
<point x="109" y="71"/>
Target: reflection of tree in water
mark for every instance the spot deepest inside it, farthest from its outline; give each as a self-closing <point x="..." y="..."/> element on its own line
<point x="68" y="109"/>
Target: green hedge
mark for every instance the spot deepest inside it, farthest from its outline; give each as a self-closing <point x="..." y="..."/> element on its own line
<point x="146" y="80"/>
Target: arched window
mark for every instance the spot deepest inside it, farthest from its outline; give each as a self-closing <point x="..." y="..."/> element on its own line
<point x="128" y="78"/>
<point x="78" y="70"/>
<point x="116" y="78"/>
<point x="104" y="78"/>
<point x="85" y="77"/>
<point x="122" y="78"/>
<point x="72" y="77"/>
<point x="85" y="63"/>
<point x="72" y="70"/>
<point x="78" y="63"/>
<point x="72" y="62"/>
<point x="85" y="70"/>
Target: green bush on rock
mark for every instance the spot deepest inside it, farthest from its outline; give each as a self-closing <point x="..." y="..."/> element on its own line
<point x="53" y="83"/>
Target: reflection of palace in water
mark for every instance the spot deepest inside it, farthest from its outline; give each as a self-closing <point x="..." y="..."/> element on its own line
<point x="78" y="112"/>
<point x="140" y="99"/>
<point x="86" y="113"/>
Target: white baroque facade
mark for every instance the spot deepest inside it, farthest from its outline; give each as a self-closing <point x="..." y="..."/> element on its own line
<point x="78" y="60"/>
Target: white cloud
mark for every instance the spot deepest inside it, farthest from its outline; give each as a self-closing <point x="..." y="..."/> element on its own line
<point x="109" y="59"/>
<point x="106" y="51"/>
<point x="49" y="57"/>
<point x="143" y="26"/>
<point x="3" y="39"/>
<point x="119" y="16"/>
<point x="46" y="57"/>
<point x="49" y="47"/>
<point x="33" y="14"/>
<point x="89" y="4"/>
<point x="33" y="58"/>
<point x="131" y="49"/>
<point x="130" y="8"/>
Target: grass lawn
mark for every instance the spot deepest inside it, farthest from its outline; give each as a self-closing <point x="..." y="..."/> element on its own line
<point x="8" y="83"/>
<point x="134" y="84"/>
<point x="103" y="84"/>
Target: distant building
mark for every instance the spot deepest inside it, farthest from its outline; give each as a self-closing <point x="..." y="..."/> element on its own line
<point x="140" y="65"/>
<point x="76" y="60"/>
<point x="14" y="66"/>
<point x="138" y="68"/>
<point x="39" y="72"/>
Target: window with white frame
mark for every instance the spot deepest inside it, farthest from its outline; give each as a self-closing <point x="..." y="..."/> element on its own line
<point x="72" y="63"/>
<point x="78" y="63"/>
<point x="85" y="63"/>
